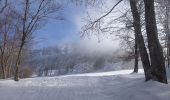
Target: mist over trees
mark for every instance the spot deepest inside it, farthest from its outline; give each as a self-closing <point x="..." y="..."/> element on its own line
<point x="71" y="58"/>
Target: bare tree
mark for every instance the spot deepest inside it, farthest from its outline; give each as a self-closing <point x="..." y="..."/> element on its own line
<point x="140" y="40"/>
<point x="122" y="32"/>
<point x="156" y="53"/>
<point x="153" y="62"/>
<point x="7" y="41"/>
<point x="31" y="19"/>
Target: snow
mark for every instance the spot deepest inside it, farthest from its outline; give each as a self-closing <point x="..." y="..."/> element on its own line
<point x="116" y="85"/>
<point x="120" y="72"/>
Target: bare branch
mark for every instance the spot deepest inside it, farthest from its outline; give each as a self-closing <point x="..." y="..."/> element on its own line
<point x="5" y="5"/>
<point x="108" y="11"/>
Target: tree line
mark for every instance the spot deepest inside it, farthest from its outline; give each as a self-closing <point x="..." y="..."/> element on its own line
<point x="72" y="59"/>
<point x="18" y="21"/>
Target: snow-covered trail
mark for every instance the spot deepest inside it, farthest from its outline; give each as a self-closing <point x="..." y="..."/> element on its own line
<point x="70" y="88"/>
<point x="95" y="86"/>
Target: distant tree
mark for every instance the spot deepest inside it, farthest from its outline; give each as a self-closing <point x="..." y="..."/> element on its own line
<point x="99" y="63"/>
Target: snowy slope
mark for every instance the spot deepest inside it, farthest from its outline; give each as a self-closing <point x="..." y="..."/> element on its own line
<point x="117" y="85"/>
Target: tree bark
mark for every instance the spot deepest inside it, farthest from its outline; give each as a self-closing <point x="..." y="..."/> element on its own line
<point x="158" y="70"/>
<point x="136" y="55"/>
<point x="18" y="60"/>
<point x="140" y="40"/>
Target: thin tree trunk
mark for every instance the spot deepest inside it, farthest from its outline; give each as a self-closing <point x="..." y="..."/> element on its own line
<point x="141" y="44"/>
<point x="136" y="55"/>
<point x="2" y="65"/>
<point x="158" y="70"/>
<point x="16" y="76"/>
<point x="168" y="51"/>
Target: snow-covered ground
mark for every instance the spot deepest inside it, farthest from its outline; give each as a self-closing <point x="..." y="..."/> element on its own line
<point x="117" y="85"/>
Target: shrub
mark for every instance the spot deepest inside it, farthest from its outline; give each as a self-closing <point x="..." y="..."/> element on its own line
<point x="27" y="72"/>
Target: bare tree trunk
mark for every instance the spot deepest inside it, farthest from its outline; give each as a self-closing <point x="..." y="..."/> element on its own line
<point x="3" y="49"/>
<point x="136" y="55"/>
<point x="24" y="35"/>
<point x="16" y="76"/>
<point x="168" y="49"/>
<point x="140" y="41"/>
<point x="3" y="69"/>
<point x="158" y="70"/>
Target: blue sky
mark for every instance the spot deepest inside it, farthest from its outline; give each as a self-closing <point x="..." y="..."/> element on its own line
<point x="67" y="31"/>
<point x="56" y="32"/>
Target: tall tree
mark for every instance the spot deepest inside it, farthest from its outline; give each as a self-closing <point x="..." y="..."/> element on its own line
<point x="139" y="39"/>
<point x="158" y="70"/>
<point x="153" y="62"/>
<point x="136" y="54"/>
<point x="30" y="20"/>
<point x="7" y="39"/>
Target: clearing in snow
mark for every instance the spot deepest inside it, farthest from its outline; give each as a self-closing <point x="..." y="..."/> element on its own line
<point x="116" y="85"/>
